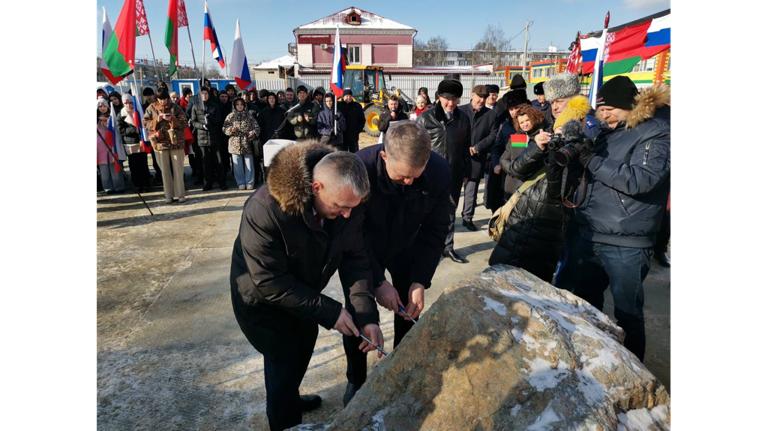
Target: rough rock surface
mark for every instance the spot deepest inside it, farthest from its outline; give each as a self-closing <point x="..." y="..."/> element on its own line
<point x="509" y="351"/>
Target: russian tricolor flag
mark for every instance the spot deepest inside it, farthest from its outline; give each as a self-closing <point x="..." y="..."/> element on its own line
<point x="589" y="48"/>
<point x="209" y="33"/>
<point x="339" y="66"/>
<point x="115" y="139"/>
<point x="138" y="116"/>
<point x="658" y="37"/>
<point x="238" y="69"/>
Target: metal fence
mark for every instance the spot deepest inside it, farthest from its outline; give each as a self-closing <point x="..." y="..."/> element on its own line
<point x="407" y="84"/>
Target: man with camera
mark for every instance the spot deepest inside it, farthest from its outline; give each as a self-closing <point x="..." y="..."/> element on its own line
<point x="620" y="211"/>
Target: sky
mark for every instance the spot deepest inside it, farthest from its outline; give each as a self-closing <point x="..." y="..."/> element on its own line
<point x="267" y="25"/>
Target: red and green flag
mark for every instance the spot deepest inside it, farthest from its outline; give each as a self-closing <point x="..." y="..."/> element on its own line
<point x="624" y="49"/>
<point x="177" y="18"/>
<point x="120" y="52"/>
<point x="518" y="140"/>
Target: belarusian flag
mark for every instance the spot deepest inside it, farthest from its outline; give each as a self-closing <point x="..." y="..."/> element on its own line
<point x="624" y="48"/>
<point x="121" y="49"/>
<point x="177" y="18"/>
<point x="518" y="140"/>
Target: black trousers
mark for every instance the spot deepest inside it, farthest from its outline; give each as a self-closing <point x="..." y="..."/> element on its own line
<point x="287" y="346"/>
<point x="456" y="184"/>
<point x="213" y="168"/>
<point x="137" y="163"/>
<point x="357" y="365"/>
<point x="158" y="172"/>
<point x="353" y="144"/>
<point x="196" y="161"/>
<point x="225" y="157"/>
<point x="662" y="237"/>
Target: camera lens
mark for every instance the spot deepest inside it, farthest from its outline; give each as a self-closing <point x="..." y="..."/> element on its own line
<point x="562" y="158"/>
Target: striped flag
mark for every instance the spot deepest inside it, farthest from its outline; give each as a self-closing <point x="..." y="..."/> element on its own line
<point x="209" y="33"/>
<point x="114" y="138"/>
<point x="120" y="52"/>
<point x="106" y="33"/>
<point x="339" y="66"/>
<point x="238" y="68"/>
<point x="138" y="117"/>
<point x="658" y="39"/>
<point x="518" y="140"/>
<point x="177" y="18"/>
<point x="597" y="74"/>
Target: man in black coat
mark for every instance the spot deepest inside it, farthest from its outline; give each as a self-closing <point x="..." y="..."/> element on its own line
<point x="406" y="222"/>
<point x="394" y="113"/>
<point x="484" y="132"/>
<point x="450" y="132"/>
<point x="295" y="233"/>
<point x="353" y="114"/>
<point x="206" y="120"/>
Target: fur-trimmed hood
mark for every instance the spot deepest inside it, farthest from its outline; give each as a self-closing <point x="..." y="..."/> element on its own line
<point x="647" y="102"/>
<point x="290" y="174"/>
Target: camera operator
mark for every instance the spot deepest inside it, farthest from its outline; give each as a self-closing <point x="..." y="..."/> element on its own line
<point x="394" y="113"/>
<point x="625" y="198"/>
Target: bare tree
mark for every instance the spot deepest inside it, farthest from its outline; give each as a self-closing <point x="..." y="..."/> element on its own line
<point x="491" y="46"/>
<point x="213" y="71"/>
<point x="430" y="53"/>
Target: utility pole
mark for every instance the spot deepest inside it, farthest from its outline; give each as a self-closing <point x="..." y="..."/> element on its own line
<point x="525" y="50"/>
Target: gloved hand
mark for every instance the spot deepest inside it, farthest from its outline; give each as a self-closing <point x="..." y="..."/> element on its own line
<point x="337" y="117"/>
<point x="586" y="150"/>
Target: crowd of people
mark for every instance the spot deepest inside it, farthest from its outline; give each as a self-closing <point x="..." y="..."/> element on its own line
<point x="580" y="199"/>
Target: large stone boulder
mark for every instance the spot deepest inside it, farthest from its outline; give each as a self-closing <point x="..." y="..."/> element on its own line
<point x="509" y="351"/>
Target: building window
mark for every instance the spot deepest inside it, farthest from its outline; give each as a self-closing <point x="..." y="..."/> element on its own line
<point x="453" y="54"/>
<point x="353" y="54"/>
<point x="465" y="63"/>
<point x="537" y="73"/>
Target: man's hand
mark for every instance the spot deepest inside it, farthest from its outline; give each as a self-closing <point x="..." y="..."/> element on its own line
<point x="415" y="300"/>
<point x="250" y="134"/>
<point x="472" y="151"/>
<point x="234" y="129"/>
<point x="497" y="169"/>
<point x="542" y="139"/>
<point x="373" y="333"/>
<point x="387" y="297"/>
<point x="345" y="325"/>
<point x="585" y="152"/>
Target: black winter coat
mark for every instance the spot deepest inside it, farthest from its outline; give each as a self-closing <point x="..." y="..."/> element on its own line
<point x="534" y="232"/>
<point x="450" y="139"/>
<point x="210" y="137"/>
<point x="282" y="259"/>
<point x="326" y="126"/>
<point x="386" y="119"/>
<point x="353" y="114"/>
<point x="406" y="219"/>
<point x="484" y="133"/>
<point x="270" y="120"/>
<point x="129" y="132"/>
<point x="628" y="179"/>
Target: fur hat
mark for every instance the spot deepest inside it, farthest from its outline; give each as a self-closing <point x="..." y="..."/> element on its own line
<point x="514" y="98"/>
<point x="450" y="88"/>
<point x="492" y="88"/>
<point x="480" y="90"/>
<point x="562" y="85"/>
<point x="538" y="89"/>
<point x="619" y="92"/>
<point x="517" y="82"/>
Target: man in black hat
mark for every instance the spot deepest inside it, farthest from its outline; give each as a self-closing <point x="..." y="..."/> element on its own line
<point x="541" y="101"/>
<point x="517" y="83"/>
<point x="493" y="95"/>
<point x="304" y="118"/>
<point x="484" y="132"/>
<point x="626" y="196"/>
<point x="450" y="131"/>
<point x="353" y="113"/>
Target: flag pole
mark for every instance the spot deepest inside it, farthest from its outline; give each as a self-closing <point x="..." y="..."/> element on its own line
<point x="202" y="77"/>
<point x="194" y="62"/>
<point x="104" y="141"/>
<point x="152" y="48"/>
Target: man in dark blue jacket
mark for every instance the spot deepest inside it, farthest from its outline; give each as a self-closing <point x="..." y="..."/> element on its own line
<point x="406" y="221"/>
<point x="625" y="198"/>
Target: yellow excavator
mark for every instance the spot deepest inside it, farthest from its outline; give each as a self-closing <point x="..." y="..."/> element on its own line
<point x="370" y="90"/>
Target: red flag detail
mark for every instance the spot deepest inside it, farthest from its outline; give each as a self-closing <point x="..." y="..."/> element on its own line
<point x="182" y="15"/>
<point x="142" y="26"/>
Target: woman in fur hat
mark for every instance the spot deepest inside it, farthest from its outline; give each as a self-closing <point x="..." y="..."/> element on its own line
<point x="242" y="129"/>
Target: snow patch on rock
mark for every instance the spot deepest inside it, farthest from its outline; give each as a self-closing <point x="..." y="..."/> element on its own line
<point x="491" y="304"/>
<point x="545" y="420"/>
<point x="643" y="419"/>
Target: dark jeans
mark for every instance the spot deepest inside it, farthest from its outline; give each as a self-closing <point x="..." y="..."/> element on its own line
<point x="352" y="144"/>
<point x="213" y="168"/>
<point x="566" y="268"/>
<point x="137" y="163"/>
<point x="400" y="269"/>
<point x="623" y="269"/>
<point x="287" y="347"/>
